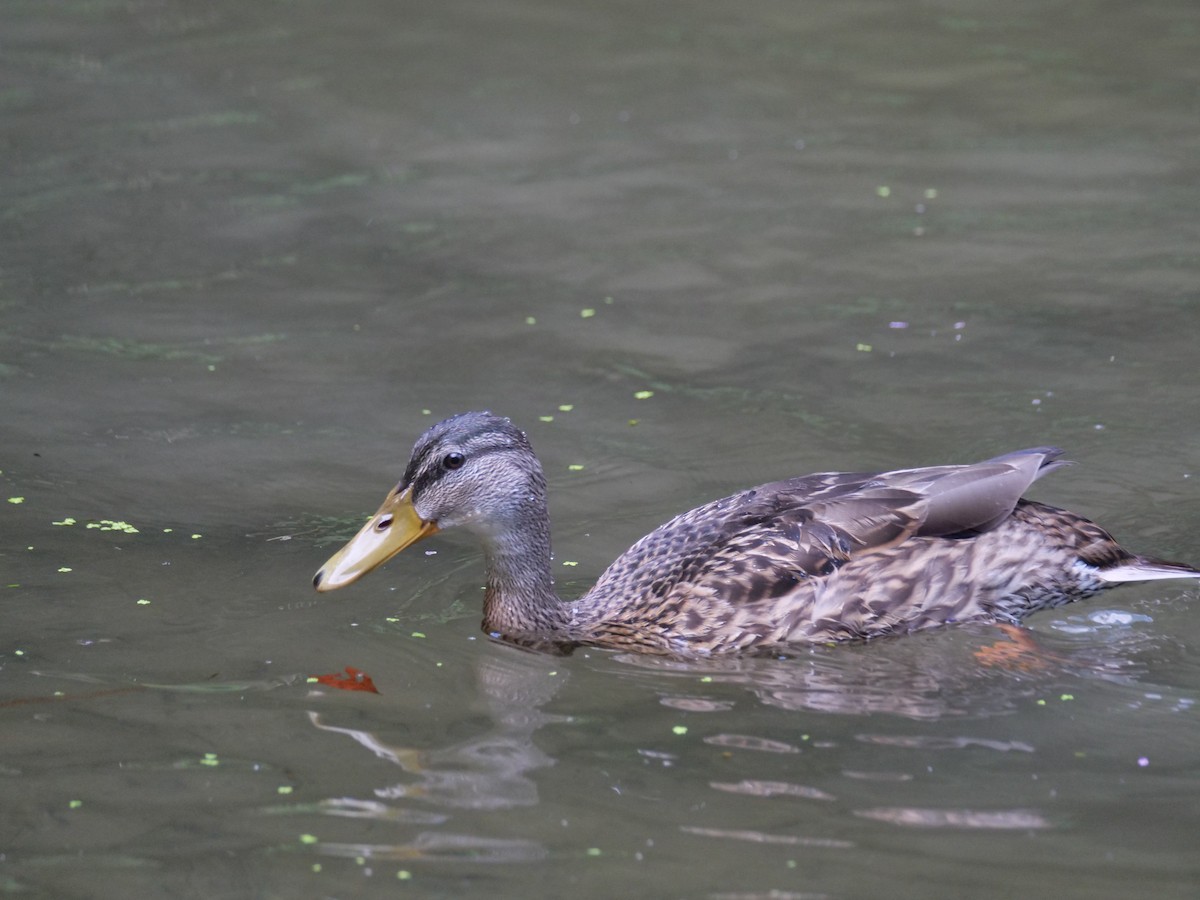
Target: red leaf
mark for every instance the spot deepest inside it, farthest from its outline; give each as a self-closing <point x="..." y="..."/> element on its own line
<point x="353" y="680"/>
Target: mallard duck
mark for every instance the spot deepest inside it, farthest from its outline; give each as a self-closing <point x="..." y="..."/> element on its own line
<point x="827" y="557"/>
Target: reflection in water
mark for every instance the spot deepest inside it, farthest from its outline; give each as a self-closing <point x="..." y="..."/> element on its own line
<point x="942" y="676"/>
<point x="489" y="772"/>
<point x="978" y="672"/>
<point x="838" y="681"/>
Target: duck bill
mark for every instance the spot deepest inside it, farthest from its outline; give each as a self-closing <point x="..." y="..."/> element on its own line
<point x="394" y="526"/>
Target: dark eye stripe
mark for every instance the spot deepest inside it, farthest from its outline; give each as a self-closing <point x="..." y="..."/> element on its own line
<point x="420" y="475"/>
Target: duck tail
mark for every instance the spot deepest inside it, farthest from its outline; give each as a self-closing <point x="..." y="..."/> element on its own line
<point x="1146" y="568"/>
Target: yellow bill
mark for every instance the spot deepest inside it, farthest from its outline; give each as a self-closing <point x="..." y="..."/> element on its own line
<point x="394" y="526"/>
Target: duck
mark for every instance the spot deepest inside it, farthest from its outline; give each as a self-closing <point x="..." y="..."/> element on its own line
<point x="816" y="559"/>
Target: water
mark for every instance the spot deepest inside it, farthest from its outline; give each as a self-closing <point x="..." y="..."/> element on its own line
<point x="245" y="249"/>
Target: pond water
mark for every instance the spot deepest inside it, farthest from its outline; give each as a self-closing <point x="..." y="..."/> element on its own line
<point x="249" y="251"/>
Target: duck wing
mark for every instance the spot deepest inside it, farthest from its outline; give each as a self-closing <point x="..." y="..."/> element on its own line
<point x="765" y="543"/>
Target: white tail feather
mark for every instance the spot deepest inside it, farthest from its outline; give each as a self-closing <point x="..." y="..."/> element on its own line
<point x="1121" y="574"/>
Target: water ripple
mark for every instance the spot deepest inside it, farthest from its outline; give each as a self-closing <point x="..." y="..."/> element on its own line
<point x="756" y="788"/>
<point x="456" y="847"/>
<point x="696" y="704"/>
<point x="916" y="817"/>
<point x="761" y="837"/>
<point x="750" y="742"/>
<point x="936" y="742"/>
<point x="352" y="808"/>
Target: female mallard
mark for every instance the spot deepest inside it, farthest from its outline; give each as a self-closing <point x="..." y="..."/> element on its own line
<point x="826" y="557"/>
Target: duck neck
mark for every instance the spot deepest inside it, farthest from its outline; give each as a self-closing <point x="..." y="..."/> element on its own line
<point x="519" y="596"/>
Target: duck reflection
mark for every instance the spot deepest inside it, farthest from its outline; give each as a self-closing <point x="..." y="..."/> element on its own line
<point x="978" y="671"/>
<point x="487" y="772"/>
<point x="973" y="673"/>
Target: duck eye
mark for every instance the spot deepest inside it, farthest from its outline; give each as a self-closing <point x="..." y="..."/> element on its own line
<point x="453" y="461"/>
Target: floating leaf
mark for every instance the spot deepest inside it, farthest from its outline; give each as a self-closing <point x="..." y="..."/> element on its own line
<point x="352" y="680"/>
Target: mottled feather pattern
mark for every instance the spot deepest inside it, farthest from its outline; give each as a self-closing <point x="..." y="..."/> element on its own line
<point x="752" y="594"/>
<point x="840" y="556"/>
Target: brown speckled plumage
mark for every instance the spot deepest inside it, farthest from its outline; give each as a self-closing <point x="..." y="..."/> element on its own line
<point x="825" y="557"/>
